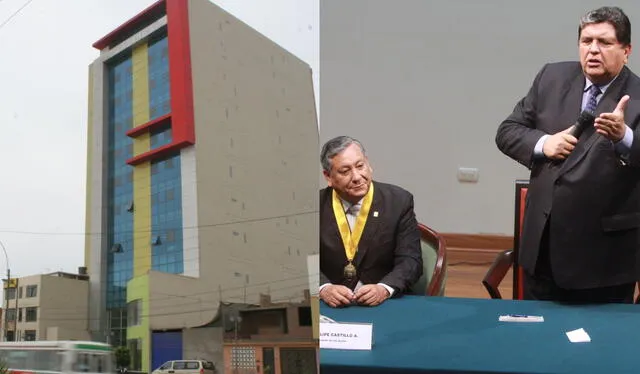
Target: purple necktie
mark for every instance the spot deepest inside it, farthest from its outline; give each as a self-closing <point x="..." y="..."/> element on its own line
<point x="592" y="99"/>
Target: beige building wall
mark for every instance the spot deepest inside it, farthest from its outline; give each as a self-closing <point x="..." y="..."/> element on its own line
<point x="256" y="156"/>
<point x="252" y="175"/>
<point x="203" y="343"/>
<point x="62" y="306"/>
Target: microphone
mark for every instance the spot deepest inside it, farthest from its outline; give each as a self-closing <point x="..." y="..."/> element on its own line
<point x="585" y="120"/>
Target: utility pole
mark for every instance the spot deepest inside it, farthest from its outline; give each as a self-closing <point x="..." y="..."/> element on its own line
<point x="6" y="327"/>
<point x="15" y="324"/>
<point x="6" y="309"/>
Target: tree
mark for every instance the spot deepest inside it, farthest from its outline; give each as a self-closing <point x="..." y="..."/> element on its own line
<point x="123" y="357"/>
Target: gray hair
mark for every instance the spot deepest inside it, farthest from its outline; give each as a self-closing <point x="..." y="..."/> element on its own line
<point x="334" y="146"/>
<point x="612" y="15"/>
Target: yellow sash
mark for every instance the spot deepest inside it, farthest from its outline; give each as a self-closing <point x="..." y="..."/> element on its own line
<point x="351" y="238"/>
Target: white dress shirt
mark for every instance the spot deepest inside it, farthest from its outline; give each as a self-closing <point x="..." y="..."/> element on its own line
<point x="352" y="211"/>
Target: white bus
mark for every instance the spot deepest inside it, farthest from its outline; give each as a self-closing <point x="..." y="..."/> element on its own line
<point x="57" y="357"/>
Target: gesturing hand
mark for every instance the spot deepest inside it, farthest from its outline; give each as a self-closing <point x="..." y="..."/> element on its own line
<point x="611" y="125"/>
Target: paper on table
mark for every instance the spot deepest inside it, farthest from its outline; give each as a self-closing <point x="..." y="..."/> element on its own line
<point x="578" y="336"/>
<point x="326" y="319"/>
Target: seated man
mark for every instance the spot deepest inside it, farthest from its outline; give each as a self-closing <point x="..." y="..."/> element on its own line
<point x="369" y="236"/>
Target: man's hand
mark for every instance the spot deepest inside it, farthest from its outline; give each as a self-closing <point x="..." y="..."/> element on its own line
<point x="611" y="125"/>
<point x="336" y="295"/>
<point x="371" y="294"/>
<point x="559" y="145"/>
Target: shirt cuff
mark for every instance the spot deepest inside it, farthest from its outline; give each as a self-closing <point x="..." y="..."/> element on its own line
<point x="388" y="288"/>
<point x="623" y="146"/>
<point x="537" y="150"/>
<point x="323" y="286"/>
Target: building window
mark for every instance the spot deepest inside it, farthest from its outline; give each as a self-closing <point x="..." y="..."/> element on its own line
<point x="20" y="314"/>
<point x="29" y="335"/>
<point x="32" y="291"/>
<point x="304" y="316"/>
<point x="31" y="314"/>
<point x="133" y="312"/>
<point x="11" y="315"/>
<point x="135" y="347"/>
<point x="10" y="293"/>
<point x="20" y="292"/>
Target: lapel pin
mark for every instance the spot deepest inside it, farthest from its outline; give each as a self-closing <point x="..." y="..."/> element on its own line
<point x="375" y="214"/>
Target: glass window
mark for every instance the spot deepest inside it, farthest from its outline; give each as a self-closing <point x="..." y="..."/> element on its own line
<point x="10" y="293"/>
<point x="82" y="363"/>
<point x="166" y="366"/>
<point x="29" y="335"/>
<point x="31" y="315"/>
<point x="193" y="365"/>
<point x="32" y="291"/>
<point x="208" y="365"/>
<point x="11" y="314"/>
<point x="179" y="365"/>
<point x="133" y="312"/>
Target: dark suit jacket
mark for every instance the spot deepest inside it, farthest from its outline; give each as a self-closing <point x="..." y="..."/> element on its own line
<point x="593" y="197"/>
<point x="389" y="249"/>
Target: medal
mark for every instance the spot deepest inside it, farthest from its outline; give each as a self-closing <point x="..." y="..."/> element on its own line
<point x="349" y="271"/>
<point x="350" y="239"/>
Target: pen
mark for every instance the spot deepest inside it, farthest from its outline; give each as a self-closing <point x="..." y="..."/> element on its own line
<point x="519" y="315"/>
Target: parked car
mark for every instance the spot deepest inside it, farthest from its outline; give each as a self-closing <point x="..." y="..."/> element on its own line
<point x="186" y="367"/>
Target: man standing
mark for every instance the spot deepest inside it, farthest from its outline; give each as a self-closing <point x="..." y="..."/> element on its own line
<point x="580" y="233"/>
<point x="369" y="236"/>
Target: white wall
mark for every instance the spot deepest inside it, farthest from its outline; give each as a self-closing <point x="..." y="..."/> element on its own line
<point x="425" y="84"/>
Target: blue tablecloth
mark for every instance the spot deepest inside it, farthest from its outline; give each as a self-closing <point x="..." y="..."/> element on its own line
<point x="416" y="334"/>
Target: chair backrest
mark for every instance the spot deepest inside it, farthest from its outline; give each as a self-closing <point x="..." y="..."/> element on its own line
<point x="434" y="259"/>
<point x="497" y="272"/>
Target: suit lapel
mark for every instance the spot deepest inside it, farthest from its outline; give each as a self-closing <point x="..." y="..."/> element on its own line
<point x="607" y="104"/>
<point x="571" y="97"/>
<point x="371" y="227"/>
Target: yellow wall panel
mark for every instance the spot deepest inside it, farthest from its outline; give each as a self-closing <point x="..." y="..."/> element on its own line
<point x="142" y="172"/>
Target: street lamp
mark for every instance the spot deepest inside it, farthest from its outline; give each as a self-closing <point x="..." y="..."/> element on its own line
<point x="6" y="327"/>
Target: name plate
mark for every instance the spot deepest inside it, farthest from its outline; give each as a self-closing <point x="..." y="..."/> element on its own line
<point x="354" y="336"/>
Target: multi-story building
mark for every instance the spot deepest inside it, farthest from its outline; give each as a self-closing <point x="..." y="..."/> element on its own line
<point x="202" y="177"/>
<point x="47" y="307"/>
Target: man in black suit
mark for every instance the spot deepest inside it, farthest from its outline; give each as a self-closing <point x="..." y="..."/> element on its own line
<point x="369" y="236"/>
<point x="580" y="233"/>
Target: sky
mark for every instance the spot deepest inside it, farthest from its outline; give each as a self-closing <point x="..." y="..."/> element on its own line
<point x="45" y="50"/>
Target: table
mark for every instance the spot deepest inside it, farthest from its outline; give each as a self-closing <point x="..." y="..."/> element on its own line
<point x="420" y="334"/>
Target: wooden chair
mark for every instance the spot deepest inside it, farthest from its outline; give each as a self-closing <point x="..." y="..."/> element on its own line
<point x="434" y="259"/>
<point x="497" y="272"/>
<point x="509" y="258"/>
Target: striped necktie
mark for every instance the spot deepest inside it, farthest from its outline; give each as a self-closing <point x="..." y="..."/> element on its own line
<point x="592" y="99"/>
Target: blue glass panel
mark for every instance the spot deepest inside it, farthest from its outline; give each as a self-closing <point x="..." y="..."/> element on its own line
<point x="166" y="213"/>
<point x="159" y="96"/>
<point x="119" y="190"/>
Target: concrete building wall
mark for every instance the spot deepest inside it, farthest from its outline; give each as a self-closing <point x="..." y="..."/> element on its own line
<point x="61" y="304"/>
<point x="64" y="305"/>
<point x="255" y="153"/>
<point x="203" y="343"/>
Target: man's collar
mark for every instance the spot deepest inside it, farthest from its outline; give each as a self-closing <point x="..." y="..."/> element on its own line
<point x="347" y="205"/>
<point x="602" y="88"/>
